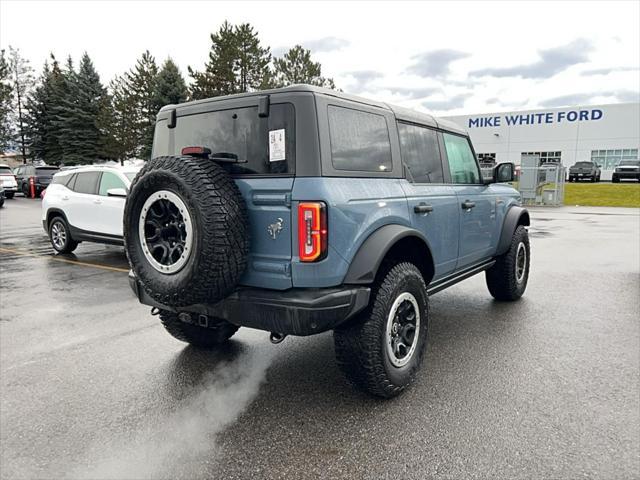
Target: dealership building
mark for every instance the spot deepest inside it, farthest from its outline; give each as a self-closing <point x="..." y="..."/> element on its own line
<point x="605" y="134"/>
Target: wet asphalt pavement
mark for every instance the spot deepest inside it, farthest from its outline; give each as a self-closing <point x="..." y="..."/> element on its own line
<point x="547" y="387"/>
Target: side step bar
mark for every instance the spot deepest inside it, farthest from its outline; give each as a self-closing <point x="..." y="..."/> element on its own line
<point x="446" y="282"/>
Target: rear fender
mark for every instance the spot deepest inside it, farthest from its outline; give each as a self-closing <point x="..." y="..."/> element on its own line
<point x="364" y="266"/>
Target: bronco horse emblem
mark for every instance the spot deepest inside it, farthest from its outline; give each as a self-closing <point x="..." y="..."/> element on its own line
<point x="275" y="228"/>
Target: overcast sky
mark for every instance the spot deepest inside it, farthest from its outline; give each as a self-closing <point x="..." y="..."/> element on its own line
<point x="450" y="57"/>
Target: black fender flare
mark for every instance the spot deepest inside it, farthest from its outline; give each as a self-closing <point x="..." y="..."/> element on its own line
<point x="364" y="265"/>
<point x="515" y="216"/>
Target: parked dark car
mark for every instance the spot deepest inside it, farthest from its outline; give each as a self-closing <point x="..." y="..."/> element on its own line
<point x="584" y="171"/>
<point x="1" y="196"/>
<point x="627" y="170"/>
<point x="41" y="177"/>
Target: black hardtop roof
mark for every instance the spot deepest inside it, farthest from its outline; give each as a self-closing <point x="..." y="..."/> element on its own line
<point x="401" y="113"/>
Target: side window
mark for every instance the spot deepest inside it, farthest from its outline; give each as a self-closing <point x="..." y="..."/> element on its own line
<point x="420" y="153"/>
<point x="108" y="181"/>
<point x="359" y="140"/>
<point x="87" y="182"/>
<point x="462" y="163"/>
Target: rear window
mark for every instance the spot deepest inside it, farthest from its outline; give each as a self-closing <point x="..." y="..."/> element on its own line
<point x="359" y="140"/>
<point x="630" y="163"/>
<point x="265" y="146"/>
<point x="5" y="171"/>
<point x="584" y="164"/>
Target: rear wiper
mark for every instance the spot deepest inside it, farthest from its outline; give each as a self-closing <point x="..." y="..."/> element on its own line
<point x="204" y="152"/>
<point x="226" y="157"/>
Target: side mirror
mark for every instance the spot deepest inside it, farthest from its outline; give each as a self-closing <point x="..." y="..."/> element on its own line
<point x="503" y="173"/>
<point x="116" y="192"/>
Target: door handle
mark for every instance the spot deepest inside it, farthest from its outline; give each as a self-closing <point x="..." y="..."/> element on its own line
<point x="468" y="205"/>
<point x="65" y="198"/>
<point x="97" y="202"/>
<point x="423" y="208"/>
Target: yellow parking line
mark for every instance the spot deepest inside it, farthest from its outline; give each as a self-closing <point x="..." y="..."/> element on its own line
<point x="65" y="260"/>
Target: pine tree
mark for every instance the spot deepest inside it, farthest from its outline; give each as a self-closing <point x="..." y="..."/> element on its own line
<point x="121" y="127"/>
<point x="219" y="75"/>
<point x="253" y="60"/>
<point x="170" y="87"/>
<point x="81" y="135"/>
<point x="237" y="63"/>
<point x="22" y="77"/>
<point x="6" y="93"/>
<point x="43" y="105"/>
<point x="140" y="82"/>
<point x="296" y="66"/>
<point x="66" y="116"/>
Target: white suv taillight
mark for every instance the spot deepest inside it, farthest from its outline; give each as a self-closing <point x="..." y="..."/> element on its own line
<point x="312" y="231"/>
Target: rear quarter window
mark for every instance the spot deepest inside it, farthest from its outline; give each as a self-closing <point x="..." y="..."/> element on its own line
<point x="359" y="140"/>
<point x="87" y="182"/>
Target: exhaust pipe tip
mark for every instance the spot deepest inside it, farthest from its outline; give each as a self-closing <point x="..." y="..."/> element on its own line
<point x="276" y="337"/>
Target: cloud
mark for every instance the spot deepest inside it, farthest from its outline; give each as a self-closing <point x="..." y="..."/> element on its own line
<point x="435" y="63"/>
<point x="606" y="71"/>
<point x="326" y="44"/>
<point x="586" y="98"/>
<point x="362" y="79"/>
<point x="414" y="92"/>
<point x="457" y="101"/>
<point x="552" y="61"/>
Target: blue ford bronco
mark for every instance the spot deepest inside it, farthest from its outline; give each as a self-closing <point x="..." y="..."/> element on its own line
<point x="301" y="210"/>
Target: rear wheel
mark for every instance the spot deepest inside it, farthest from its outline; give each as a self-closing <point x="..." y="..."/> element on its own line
<point x="25" y="190"/>
<point x="216" y="332"/>
<point x="60" y="236"/>
<point x="381" y="350"/>
<point x="507" y="279"/>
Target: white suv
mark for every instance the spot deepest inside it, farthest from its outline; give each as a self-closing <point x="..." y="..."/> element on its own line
<point x="86" y="204"/>
<point x="8" y="181"/>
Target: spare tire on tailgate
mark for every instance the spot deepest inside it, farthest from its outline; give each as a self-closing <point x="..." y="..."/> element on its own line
<point x="186" y="231"/>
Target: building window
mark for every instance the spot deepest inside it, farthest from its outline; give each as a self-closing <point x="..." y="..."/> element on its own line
<point x="547" y="157"/>
<point x="609" y="159"/>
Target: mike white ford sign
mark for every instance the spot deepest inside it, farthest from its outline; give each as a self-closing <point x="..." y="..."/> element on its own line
<point x="517" y="119"/>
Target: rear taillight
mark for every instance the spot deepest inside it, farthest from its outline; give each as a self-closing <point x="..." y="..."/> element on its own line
<point x="312" y="231"/>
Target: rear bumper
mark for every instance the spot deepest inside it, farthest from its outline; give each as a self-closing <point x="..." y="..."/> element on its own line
<point x="297" y="311"/>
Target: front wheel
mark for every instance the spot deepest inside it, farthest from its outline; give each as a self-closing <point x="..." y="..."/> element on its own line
<point x="60" y="236"/>
<point x="381" y="350"/>
<point x="9" y="195"/>
<point x="214" y="334"/>
<point x="507" y="279"/>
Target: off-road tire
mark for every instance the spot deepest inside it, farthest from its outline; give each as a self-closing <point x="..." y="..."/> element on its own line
<point x="502" y="278"/>
<point x="202" y="337"/>
<point x="360" y="345"/>
<point x="219" y="224"/>
<point x="69" y="244"/>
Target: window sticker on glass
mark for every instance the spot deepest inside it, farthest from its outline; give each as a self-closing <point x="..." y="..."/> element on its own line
<point x="276" y="145"/>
